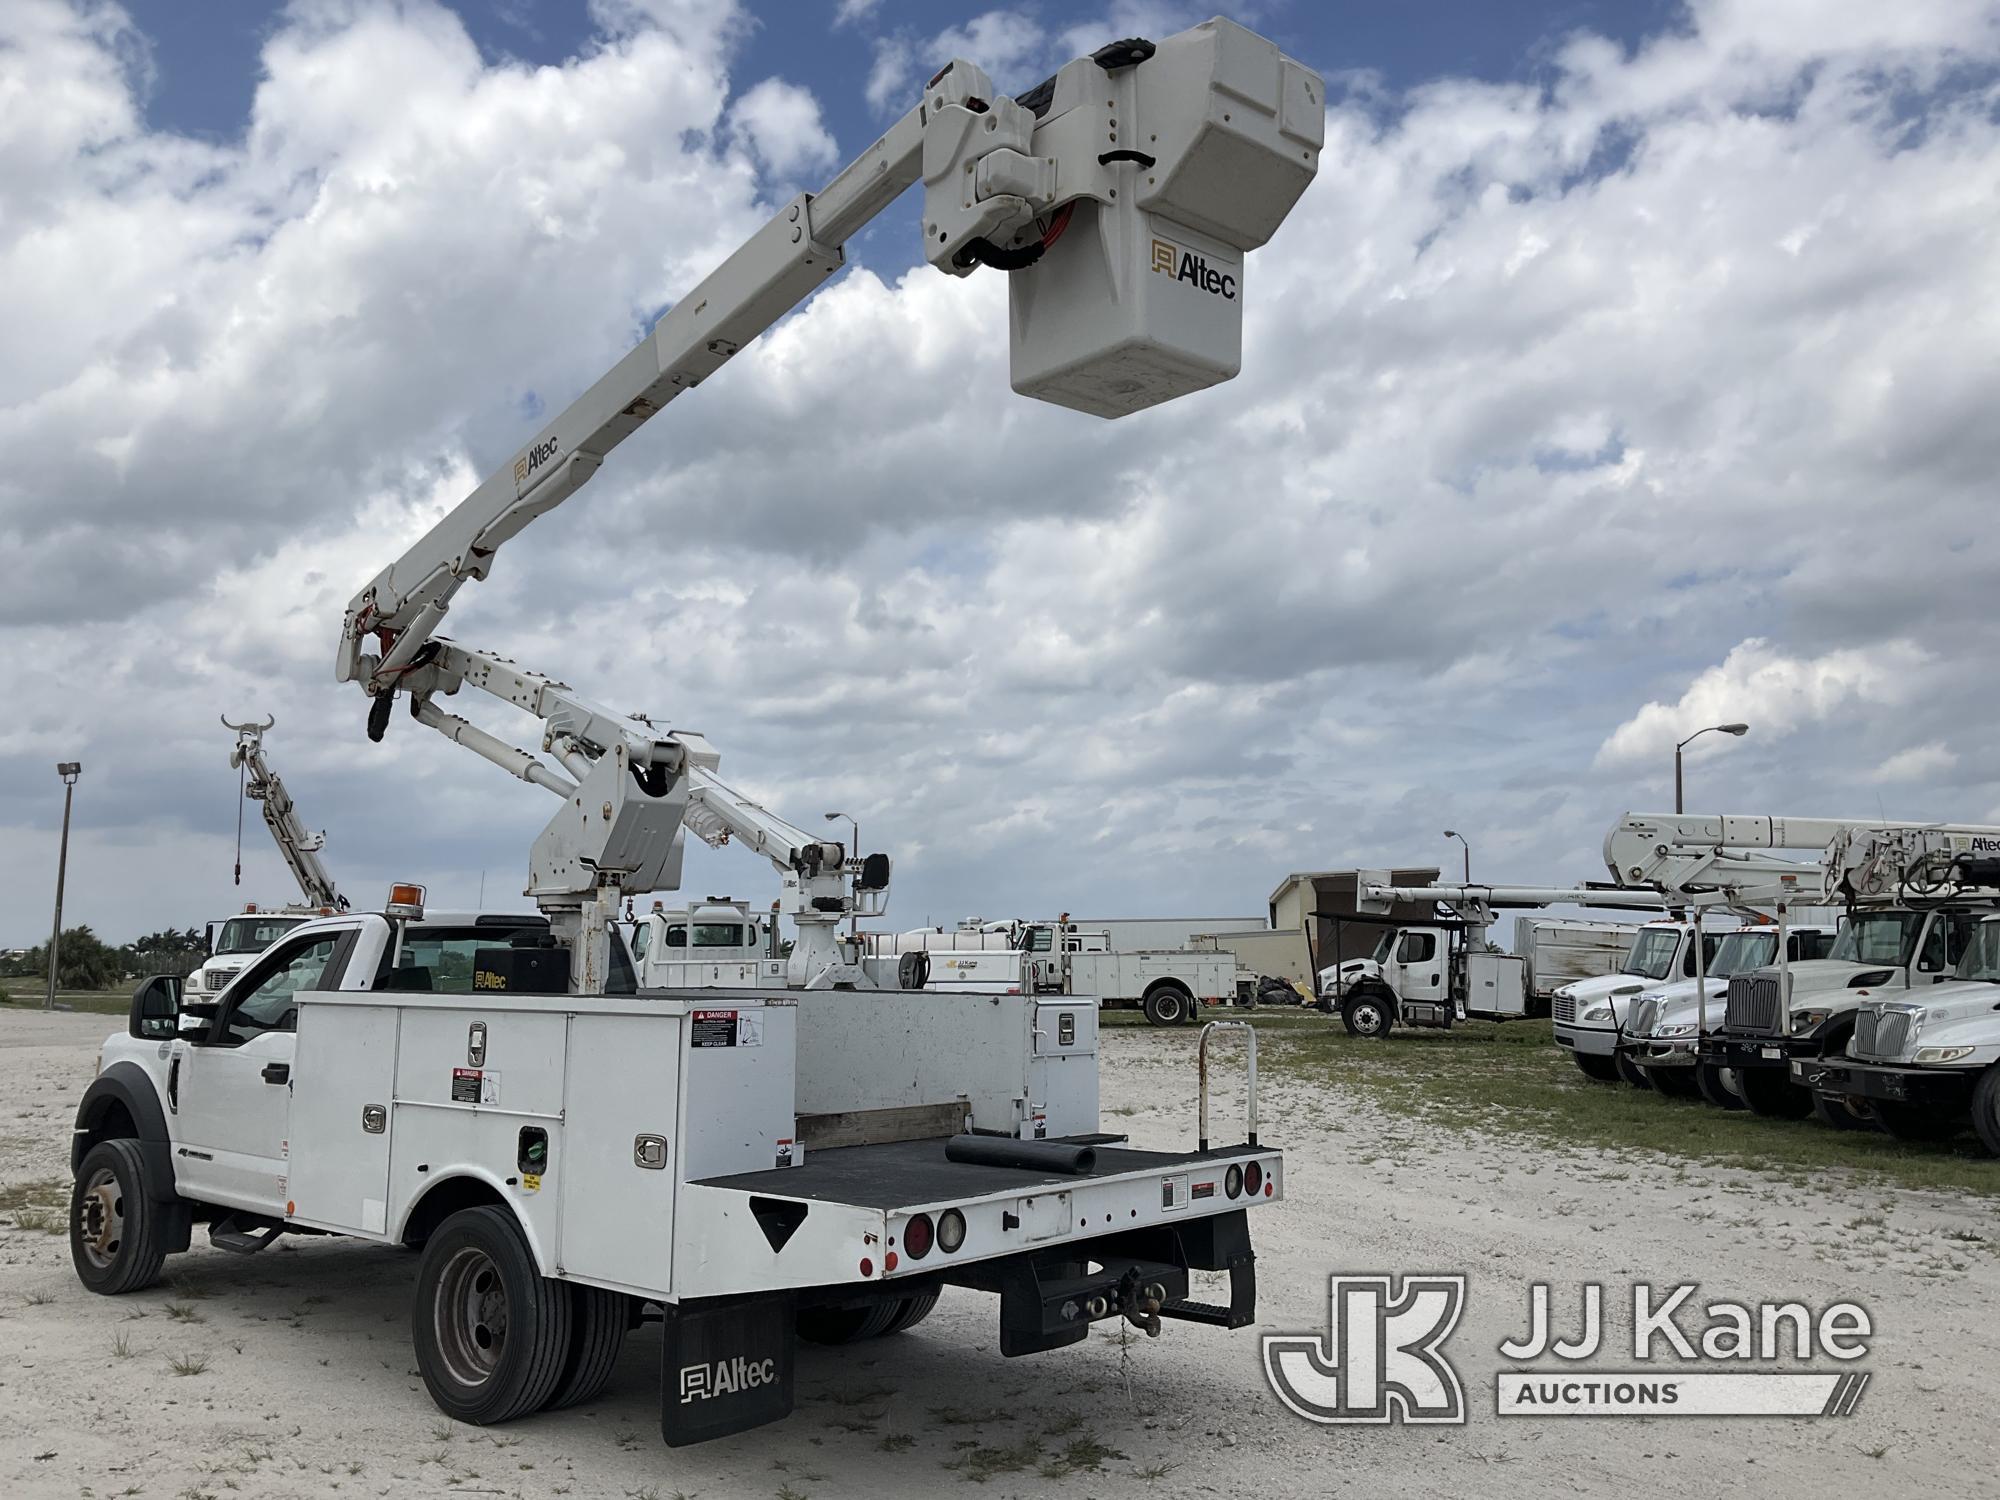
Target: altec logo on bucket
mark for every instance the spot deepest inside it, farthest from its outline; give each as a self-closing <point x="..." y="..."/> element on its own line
<point x="725" y="1377"/>
<point x="1170" y="259"/>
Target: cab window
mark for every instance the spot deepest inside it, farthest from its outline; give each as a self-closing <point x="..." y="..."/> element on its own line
<point x="641" y="935"/>
<point x="265" y="995"/>
<point x="1417" y="948"/>
<point x="718" y="935"/>
<point x="1038" y="940"/>
<point x="676" y="937"/>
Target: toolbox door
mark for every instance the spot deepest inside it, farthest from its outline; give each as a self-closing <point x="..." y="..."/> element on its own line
<point x="621" y="1097"/>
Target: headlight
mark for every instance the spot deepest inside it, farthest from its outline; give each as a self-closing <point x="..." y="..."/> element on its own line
<point x="1808" y="1020"/>
<point x="1597" y="1013"/>
<point x="1679" y="1028"/>
<point x="1942" y="1054"/>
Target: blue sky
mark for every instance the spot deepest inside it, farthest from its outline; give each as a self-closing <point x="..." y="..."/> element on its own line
<point x="205" y="52"/>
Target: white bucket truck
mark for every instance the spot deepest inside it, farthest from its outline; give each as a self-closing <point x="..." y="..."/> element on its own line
<point x="817" y="1160"/>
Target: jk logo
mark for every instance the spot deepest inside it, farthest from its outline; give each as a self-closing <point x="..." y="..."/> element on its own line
<point x="1380" y="1359"/>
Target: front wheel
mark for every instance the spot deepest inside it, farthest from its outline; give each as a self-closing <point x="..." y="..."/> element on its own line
<point x="1632" y="1073"/>
<point x="1596" y="1069"/>
<point x="1675" y="1083"/>
<point x="492" y="1334"/>
<point x="1838" y="1112"/>
<point x="1770" y="1093"/>
<point x="1986" y="1109"/>
<point x="1718" y="1085"/>
<point x="115" y="1239"/>
<point x="1167" y="1006"/>
<point x="1368" y="1014"/>
<point x="1912" y="1122"/>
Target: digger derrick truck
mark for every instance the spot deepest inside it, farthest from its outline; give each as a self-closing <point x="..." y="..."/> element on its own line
<point x="818" y="1159"/>
<point x="233" y="941"/>
<point x="1913" y="895"/>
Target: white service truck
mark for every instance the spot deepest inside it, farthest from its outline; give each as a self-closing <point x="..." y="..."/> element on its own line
<point x="818" y="1159"/>
<point x="1170" y="985"/>
<point x="759" y="1165"/>
<point x="1924" y="1064"/>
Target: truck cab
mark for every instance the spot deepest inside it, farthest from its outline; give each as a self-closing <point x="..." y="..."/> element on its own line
<point x="234" y="941"/>
<point x="1771" y="1019"/>
<point x="1924" y="1064"/>
<point x="1590" y="1014"/>
<point x="1665" y="1022"/>
<point x="718" y="944"/>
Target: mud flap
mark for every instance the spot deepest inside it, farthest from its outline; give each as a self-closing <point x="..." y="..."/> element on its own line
<point x="726" y="1366"/>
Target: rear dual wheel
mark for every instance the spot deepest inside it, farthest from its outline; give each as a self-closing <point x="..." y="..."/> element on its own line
<point x="492" y="1333"/>
<point x="849" y="1325"/>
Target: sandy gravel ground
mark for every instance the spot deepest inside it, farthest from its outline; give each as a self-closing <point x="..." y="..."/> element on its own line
<point x="309" y="1386"/>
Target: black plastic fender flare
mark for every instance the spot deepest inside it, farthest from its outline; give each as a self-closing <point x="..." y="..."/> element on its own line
<point x="127" y="1084"/>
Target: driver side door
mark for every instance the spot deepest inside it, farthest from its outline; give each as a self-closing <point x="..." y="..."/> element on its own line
<point x="229" y="1084"/>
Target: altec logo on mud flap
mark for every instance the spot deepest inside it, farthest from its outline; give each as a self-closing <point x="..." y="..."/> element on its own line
<point x="725" y="1377"/>
<point x="1382" y="1357"/>
<point x="1170" y="259"/>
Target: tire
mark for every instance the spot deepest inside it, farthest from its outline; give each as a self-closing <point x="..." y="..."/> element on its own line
<point x="1912" y="1122"/>
<point x="1837" y="1112"/>
<point x="1675" y="1083"/>
<point x="847" y="1325"/>
<point x="1986" y="1109"/>
<point x="911" y="1311"/>
<point x="1168" y="1005"/>
<point x="115" y="1239"/>
<point x="1768" y="1092"/>
<point x="1368" y="1014"/>
<point x="598" y="1320"/>
<point x="492" y="1333"/>
<point x="1713" y="1084"/>
<point x="1596" y="1069"/>
<point x="1630" y="1072"/>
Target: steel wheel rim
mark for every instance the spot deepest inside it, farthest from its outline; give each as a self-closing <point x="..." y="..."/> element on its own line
<point x="100" y="1218"/>
<point x="470" y="1313"/>
<point x="1367" y="1016"/>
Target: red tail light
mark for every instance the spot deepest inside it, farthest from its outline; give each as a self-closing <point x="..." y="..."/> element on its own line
<point x="918" y="1236"/>
<point x="1253" y="1178"/>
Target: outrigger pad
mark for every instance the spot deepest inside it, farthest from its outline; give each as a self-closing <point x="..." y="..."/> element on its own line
<point x="726" y="1366"/>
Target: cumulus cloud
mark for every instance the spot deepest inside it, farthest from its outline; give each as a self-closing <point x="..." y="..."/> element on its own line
<point x="1919" y="763"/>
<point x="1775" y="693"/>
<point x="1652" y="394"/>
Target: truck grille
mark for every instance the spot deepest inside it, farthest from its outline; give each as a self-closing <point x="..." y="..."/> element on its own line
<point x="1880" y="1033"/>
<point x="1645" y="1015"/>
<point x="1564" y="1007"/>
<point x="1755" y="1004"/>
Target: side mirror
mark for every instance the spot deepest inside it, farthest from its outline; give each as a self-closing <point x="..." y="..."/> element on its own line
<point x="194" y="1018"/>
<point x="156" y="1008"/>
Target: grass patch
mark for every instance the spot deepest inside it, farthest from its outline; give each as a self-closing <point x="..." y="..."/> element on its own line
<point x="1512" y="1080"/>
<point x="187" y="1364"/>
<point x="1082" y="1455"/>
<point x="42" y="1195"/>
<point x="98" y="1002"/>
<point x="984" y="1461"/>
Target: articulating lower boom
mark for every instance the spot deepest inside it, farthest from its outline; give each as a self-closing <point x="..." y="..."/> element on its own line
<point x="265" y="787"/>
<point x="1156" y="168"/>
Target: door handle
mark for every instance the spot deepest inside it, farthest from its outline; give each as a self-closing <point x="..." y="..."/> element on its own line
<point x="277" y="1072"/>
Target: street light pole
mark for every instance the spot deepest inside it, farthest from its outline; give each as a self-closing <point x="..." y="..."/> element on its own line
<point x="1735" y="729"/>
<point x="1454" y="834"/>
<point x="69" y="770"/>
<point x="854" y="852"/>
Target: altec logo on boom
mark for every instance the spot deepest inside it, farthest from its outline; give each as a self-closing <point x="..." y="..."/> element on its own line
<point x="1172" y="260"/>
<point x="533" y="459"/>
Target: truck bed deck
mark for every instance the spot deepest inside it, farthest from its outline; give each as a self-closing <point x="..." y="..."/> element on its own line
<point x="903" y="1173"/>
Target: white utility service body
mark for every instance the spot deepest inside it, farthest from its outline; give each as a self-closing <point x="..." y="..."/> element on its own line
<point x="1561" y="950"/>
<point x="754" y="1157"/>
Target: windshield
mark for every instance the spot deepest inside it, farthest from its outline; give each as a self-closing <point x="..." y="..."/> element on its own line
<point x="1385" y="946"/>
<point x="1879" y="937"/>
<point x="1981" y="958"/>
<point x="252" y="934"/>
<point x="1653" y="950"/>
<point x="1743" y="951"/>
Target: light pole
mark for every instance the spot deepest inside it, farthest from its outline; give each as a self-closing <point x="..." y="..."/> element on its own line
<point x="69" y="770"/>
<point x="854" y="852"/>
<point x="1454" y="834"/>
<point x="1735" y="729"/>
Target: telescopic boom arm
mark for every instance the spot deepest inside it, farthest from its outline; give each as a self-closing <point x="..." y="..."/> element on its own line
<point x="1156" y="168"/>
<point x="281" y="815"/>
